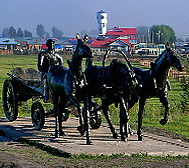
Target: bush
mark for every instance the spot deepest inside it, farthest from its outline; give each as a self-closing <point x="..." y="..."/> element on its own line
<point x="185" y="97"/>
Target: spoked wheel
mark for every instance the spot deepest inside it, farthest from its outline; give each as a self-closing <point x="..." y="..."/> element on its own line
<point x="38" y="116"/>
<point x="10" y="102"/>
<point x="95" y="116"/>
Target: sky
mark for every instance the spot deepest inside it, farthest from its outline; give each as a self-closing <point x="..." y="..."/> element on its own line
<point x="73" y="16"/>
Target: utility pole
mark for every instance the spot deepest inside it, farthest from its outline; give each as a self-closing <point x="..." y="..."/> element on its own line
<point x="159" y="34"/>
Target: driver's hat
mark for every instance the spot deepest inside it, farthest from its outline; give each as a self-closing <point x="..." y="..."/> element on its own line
<point x="49" y="41"/>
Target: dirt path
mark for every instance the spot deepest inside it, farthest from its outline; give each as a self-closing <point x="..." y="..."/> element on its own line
<point x="14" y="154"/>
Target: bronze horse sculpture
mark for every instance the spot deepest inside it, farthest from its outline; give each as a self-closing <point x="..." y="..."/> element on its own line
<point x="113" y="84"/>
<point x="155" y="84"/>
<point x="62" y="82"/>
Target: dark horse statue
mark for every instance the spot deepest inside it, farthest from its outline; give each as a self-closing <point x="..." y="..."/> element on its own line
<point x="113" y="84"/>
<point x="155" y="84"/>
<point x="63" y="81"/>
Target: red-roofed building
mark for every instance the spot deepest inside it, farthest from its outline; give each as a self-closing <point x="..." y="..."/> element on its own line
<point x="123" y="33"/>
<point x="118" y="37"/>
<point x="101" y="44"/>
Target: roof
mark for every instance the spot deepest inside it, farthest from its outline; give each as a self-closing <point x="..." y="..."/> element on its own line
<point x="105" y="43"/>
<point x="69" y="43"/>
<point x="118" y="31"/>
<point x="101" y="43"/>
<point x="118" y="42"/>
<point x="44" y="47"/>
<point x="101" y="11"/>
<point x="8" y="41"/>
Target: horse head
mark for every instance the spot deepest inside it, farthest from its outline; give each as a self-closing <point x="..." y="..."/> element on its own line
<point x="173" y="58"/>
<point x="83" y="49"/>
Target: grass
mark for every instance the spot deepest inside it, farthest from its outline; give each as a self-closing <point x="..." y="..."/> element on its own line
<point x="178" y="122"/>
<point x="41" y="154"/>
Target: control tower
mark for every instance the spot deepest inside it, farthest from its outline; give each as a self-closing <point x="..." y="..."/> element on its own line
<point x="102" y="20"/>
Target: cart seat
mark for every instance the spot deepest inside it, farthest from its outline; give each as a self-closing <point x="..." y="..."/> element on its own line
<point x="30" y="76"/>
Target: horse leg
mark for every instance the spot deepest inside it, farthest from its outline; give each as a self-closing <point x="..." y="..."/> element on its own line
<point x="131" y="103"/>
<point x="60" y="110"/>
<point x="87" y="121"/>
<point x="80" y="128"/>
<point x="130" y="131"/>
<point x="140" y="117"/>
<point x="165" y="101"/>
<point x="124" y="120"/>
<point x="107" y="116"/>
<point x="55" y="109"/>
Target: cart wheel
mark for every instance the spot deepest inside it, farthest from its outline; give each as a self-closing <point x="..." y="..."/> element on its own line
<point x="10" y="102"/>
<point x="95" y="116"/>
<point x="37" y="115"/>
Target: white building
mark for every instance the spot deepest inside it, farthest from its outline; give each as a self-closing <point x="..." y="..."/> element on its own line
<point x="102" y="20"/>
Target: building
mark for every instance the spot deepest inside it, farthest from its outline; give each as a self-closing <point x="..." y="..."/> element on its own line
<point x="121" y="45"/>
<point x="102" y="20"/>
<point x="8" y="43"/>
<point x="29" y="45"/>
<point x="123" y="33"/>
<point x="69" y="44"/>
<point x="7" y="46"/>
<point x="123" y="38"/>
<point x="101" y="44"/>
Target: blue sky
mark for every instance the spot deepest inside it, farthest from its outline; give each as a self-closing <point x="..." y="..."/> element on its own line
<point x="72" y="16"/>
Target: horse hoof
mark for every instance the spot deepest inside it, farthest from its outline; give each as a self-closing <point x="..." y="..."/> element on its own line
<point x="123" y="138"/>
<point x="89" y="142"/>
<point x="140" y="138"/>
<point x="115" y="135"/>
<point x="62" y="133"/>
<point x="80" y="128"/>
<point x="131" y="132"/>
<point x="82" y="133"/>
<point x="163" y="121"/>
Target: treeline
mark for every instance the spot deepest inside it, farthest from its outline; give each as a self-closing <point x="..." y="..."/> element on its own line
<point x="156" y="34"/>
<point x="11" y="32"/>
<point x="40" y="31"/>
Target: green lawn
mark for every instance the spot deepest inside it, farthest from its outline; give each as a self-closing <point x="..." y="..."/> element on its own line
<point x="178" y="122"/>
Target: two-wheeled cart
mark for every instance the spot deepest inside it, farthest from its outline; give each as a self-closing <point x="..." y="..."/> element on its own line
<point x="24" y="85"/>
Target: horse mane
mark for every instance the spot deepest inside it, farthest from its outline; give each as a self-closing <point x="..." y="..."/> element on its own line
<point x="116" y="63"/>
<point x="76" y="61"/>
<point x="117" y="66"/>
<point x="158" y="58"/>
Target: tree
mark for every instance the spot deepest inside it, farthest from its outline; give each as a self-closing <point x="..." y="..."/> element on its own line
<point x="12" y="32"/>
<point x="163" y="34"/>
<point x="40" y="30"/>
<point x="47" y="35"/>
<point x="57" y="33"/>
<point x="142" y="34"/>
<point x="19" y="33"/>
<point x="5" y="32"/>
<point x="27" y="33"/>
